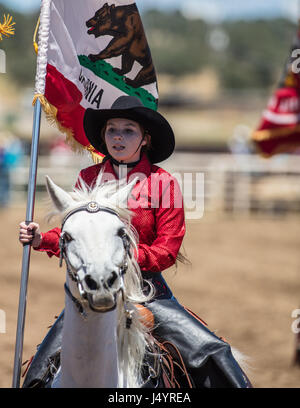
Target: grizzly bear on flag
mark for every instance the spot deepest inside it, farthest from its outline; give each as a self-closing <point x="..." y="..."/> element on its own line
<point x="129" y="41"/>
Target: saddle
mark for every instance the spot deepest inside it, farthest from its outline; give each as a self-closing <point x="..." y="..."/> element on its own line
<point x="163" y="368"/>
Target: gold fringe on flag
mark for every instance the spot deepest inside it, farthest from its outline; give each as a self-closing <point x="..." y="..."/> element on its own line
<point x="6" y="28"/>
<point x="267" y="134"/>
<point x="51" y="116"/>
<point x="95" y="156"/>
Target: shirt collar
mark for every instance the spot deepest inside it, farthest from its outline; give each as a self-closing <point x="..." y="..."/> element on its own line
<point x="143" y="167"/>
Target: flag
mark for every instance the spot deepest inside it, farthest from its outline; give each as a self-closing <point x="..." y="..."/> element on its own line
<point x="279" y="128"/>
<point x="90" y="53"/>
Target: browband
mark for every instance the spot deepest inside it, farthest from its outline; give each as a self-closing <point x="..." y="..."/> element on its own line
<point x="91" y="207"/>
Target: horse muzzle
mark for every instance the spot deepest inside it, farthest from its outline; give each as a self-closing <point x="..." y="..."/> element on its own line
<point x="102" y="303"/>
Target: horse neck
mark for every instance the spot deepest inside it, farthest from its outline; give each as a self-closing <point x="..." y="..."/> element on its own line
<point x="89" y="356"/>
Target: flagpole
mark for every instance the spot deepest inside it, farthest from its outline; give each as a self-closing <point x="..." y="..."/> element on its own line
<point x="40" y="79"/>
<point x="27" y="247"/>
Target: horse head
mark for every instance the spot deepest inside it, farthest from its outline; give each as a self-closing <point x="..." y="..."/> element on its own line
<point x="96" y="241"/>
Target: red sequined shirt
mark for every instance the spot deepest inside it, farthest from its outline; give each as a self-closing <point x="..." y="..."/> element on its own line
<point x="158" y="211"/>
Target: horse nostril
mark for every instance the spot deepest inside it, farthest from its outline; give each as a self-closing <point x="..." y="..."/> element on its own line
<point x="91" y="283"/>
<point x="112" y="279"/>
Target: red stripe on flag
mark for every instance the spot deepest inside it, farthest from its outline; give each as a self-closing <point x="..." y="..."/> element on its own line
<point x="65" y="96"/>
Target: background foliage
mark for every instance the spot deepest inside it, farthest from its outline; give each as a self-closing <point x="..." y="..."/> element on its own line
<point x="253" y="58"/>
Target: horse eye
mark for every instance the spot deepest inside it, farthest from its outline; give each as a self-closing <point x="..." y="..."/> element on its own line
<point x="67" y="237"/>
<point x="122" y="233"/>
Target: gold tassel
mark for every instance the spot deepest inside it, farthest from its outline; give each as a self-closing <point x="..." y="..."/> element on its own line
<point x="7" y="28"/>
<point x="51" y="116"/>
<point x="35" y="44"/>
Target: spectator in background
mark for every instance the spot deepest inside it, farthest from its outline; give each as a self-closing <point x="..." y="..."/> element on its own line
<point x="60" y="152"/>
<point x="240" y="142"/>
<point x="11" y="153"/>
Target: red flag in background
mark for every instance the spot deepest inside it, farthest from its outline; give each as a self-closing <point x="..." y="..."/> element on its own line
<point x="90" y="53"/>
<point x="279" y="129"/>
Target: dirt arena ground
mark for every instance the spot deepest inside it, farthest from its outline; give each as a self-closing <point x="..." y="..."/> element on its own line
<point x="243" y="281"/>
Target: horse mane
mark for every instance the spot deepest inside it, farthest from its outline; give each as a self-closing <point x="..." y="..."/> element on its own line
<point x="139" y="339"/>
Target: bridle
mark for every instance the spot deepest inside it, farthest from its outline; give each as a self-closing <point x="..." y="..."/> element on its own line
<point x="94" y="207"/>
<point x="91" y="207"/>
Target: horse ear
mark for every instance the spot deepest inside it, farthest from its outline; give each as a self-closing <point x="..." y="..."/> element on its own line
<point x="122" y="195"/>
<point x="60" y="198"/>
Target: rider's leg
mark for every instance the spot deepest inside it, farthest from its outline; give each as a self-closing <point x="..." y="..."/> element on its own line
<point x="37" y="374"/>
<point x="208" y="358"/>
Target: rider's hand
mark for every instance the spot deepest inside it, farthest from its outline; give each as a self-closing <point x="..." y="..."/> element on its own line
<point x="30" y="234"/>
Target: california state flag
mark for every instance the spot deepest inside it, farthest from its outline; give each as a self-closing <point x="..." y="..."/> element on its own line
<point x="90" y="52"/>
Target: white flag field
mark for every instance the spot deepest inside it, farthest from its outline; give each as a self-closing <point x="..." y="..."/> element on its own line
<point x="90" y="53"/>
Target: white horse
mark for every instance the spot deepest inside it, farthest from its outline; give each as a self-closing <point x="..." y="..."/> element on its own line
<point x="104" y="339"/>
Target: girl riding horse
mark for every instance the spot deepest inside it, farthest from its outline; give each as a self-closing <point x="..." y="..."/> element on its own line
<point x="133" y="139"/>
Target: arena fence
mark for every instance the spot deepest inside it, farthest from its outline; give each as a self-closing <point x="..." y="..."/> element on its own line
<point x="211" y="183"/>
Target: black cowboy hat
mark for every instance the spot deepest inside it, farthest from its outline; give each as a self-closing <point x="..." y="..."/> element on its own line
<point x="130" y="107"/>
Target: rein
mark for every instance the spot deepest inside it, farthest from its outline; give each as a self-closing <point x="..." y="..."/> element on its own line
<point x="91" y="207"/>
